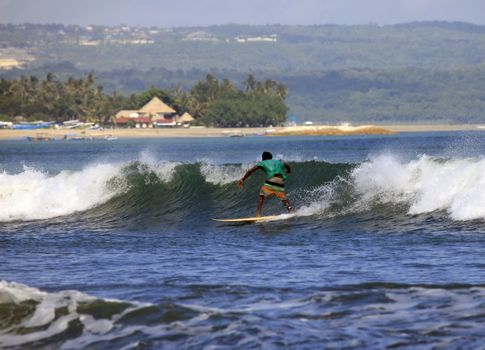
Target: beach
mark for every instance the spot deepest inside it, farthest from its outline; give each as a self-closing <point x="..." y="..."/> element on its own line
<point x="313" y="130"/>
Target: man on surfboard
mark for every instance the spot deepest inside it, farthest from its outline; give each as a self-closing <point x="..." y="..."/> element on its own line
<point x="274" y="185"/>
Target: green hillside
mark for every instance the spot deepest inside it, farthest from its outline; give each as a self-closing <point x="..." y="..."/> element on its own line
<point x="424" y="71"/>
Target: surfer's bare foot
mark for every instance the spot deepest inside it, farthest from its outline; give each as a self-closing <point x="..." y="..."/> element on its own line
<point x="288" y="205"/>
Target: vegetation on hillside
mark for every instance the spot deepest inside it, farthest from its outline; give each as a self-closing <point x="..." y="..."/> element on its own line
<point x="431" y="45"/>
<point x="423" y="71"/>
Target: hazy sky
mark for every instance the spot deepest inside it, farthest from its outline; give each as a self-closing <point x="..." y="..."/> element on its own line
<point x="171" y="13"/>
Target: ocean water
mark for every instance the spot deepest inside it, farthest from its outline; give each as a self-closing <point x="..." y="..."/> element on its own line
<point x="110" y="245"/>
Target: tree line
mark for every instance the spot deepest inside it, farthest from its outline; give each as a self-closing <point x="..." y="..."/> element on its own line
<point x="210" y="101"/>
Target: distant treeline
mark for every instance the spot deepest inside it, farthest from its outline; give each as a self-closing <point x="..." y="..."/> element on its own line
<point x="211" y="101"/>
<point x="355" y="95"/>
<point x="405" y="95"/>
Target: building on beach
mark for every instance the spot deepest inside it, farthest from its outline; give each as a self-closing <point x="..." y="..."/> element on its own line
<point x="153" y="114"/>
<point x="185" y="120"/>
<point x="127" y="114"/>
<point x="157" y="108"/>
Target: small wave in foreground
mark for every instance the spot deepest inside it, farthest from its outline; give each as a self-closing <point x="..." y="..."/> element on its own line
<point x="373" y="315"/>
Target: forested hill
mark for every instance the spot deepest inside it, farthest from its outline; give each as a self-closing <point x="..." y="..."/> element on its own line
<point x="435" y="45"/>
<point x="423" y="71"/>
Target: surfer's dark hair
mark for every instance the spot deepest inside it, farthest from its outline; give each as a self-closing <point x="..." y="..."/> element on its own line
<point x="267" y="155"/>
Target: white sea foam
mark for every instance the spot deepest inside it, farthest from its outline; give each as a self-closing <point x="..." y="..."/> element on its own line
<point x="427" y="184"/>
<point x="33" y="194"/>
<point x="319" y="198"/>
<point x="44" y="315"/>
<point x="385" y="177"/>
<point x="219" y="174"/>
<point x="296" y="157"/>
<point x="165" y="170"/>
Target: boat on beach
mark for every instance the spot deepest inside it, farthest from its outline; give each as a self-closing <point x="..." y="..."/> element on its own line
<point x="40" y="137"/>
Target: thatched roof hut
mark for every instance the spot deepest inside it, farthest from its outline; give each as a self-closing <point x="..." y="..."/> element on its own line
<point x="156" y="107"/>
<point x="186" y="118"/>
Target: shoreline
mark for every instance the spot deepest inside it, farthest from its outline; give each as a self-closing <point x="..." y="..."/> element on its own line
<point x="323" y="130"/>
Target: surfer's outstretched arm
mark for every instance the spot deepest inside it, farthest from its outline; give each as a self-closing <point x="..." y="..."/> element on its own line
<point x="240" y="183"/>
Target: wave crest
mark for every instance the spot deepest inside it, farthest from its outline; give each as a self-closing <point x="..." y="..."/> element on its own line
<point x="427" y="184"/>
<point x="33" y="194"/>
<point x="150" y="187"/>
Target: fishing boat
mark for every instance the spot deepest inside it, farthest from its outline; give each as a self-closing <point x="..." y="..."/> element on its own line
<point x="40" y="137"/>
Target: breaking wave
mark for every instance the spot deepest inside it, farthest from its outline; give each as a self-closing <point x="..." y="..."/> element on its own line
<point x="158" y="188"/>
<point x="426" y="184"/>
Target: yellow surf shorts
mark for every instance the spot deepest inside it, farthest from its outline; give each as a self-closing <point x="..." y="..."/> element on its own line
<point x="268" y="191"/>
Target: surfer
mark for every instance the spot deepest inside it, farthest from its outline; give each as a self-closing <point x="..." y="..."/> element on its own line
<point x="274" y="185"/>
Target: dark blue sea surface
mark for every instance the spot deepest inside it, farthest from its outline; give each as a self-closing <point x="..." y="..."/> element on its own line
<point x="110" y="244"/>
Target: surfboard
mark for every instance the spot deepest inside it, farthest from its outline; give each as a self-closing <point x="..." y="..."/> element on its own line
<point x="242" y="220"/>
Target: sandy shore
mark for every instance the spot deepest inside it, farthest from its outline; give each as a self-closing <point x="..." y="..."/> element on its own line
<point x="226" y="132"/>
<point x="328" y="130"/>
<point x="432" y="127"/>
<point x="132" y="133"/>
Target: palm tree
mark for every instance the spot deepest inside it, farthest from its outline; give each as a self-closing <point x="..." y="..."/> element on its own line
<point x="250" y="83"/>
<point x="269" y="87"/>
<point x="228" y="88"/>
<point x="281" y="91"/>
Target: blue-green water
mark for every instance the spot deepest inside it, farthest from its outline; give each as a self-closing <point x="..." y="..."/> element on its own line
<point x="110" y="244"/>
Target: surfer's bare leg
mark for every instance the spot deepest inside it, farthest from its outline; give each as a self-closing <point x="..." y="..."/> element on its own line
<point x="286" y="202"/>
<point x="260" y="205"/>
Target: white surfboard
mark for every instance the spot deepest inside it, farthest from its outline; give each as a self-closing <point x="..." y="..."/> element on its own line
<point x="254" y="219"/>
<point x="257" y="219"/>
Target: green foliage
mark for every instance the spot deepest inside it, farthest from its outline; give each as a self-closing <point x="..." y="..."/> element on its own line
<point x="407" y="95"/>
<point x="212" y="102"/>
<point x="245" y="111"/>
<point x="54" y="100"/>
<point x="222" y="104"/>
<point x="431" y="45"/>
